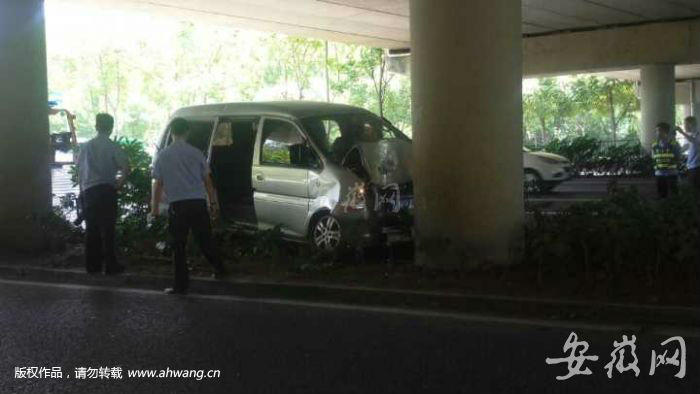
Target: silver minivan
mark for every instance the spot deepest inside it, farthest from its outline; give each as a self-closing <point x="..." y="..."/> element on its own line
<point x="325" y="173"/>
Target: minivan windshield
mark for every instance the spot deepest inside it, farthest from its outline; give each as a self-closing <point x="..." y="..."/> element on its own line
<point x="336" y="134"/>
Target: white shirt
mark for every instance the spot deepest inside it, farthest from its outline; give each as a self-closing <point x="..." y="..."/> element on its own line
<point x="99" y="161"/>
<point x="182" y="169"/>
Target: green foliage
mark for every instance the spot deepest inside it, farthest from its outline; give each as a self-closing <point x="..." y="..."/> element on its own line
<point x="56" y="231"/>
<point x="545" y="111"/>
<point x="363" y="73"/>
<point x="582" y="151"/>
<point x="265" y="245"/>
<point x="589" y="157"/>
<point x="622" y="235"/>
<point x="293" y="61"/>
<point x="142" y="80"/>
<point x="133" y="230"/>
<point x="625" y="159"/>
<point x="587" y="106"/>
<point x="136" y="193"/>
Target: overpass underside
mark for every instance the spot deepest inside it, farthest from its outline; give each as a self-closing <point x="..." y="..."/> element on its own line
<point x="467" y="63"/>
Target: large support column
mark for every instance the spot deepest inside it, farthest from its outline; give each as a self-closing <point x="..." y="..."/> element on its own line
<point x="695" y="98"/>
<point x="657" y="99"/>
<point x="25" y="183"/>
<point x="467" y="128"/>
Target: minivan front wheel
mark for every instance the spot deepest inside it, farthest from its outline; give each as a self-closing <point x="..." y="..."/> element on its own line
<point x="326" y="234"/>
<point x="533" y="182"/>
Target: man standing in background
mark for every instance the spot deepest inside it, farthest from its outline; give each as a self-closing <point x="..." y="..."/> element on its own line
<point x="666" y="155"/>
<point x="182" y="172"/>
<point x="692" y="134"/>
<point x="99" y="161"/>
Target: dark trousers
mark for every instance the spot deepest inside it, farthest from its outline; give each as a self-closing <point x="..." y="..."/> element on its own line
<point x="666" y="183"/>
<point x="100" y="209"/>
<point x="694" y="178"/>
<point x="192" y="215"/>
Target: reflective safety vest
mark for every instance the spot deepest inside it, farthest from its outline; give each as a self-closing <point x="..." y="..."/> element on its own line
<point x="664" y="156"/>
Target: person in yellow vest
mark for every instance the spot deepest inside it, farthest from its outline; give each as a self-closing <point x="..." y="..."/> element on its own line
<point x="666" y="154"/>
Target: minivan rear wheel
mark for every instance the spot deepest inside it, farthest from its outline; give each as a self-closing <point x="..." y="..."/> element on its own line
<point x="326" y="233"/>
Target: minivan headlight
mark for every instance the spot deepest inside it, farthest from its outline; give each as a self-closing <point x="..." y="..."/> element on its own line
<point x="355" y="198"/>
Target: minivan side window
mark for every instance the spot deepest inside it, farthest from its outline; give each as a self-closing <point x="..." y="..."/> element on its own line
<point x="282" y="145"/>
<point x="198" y="136"/>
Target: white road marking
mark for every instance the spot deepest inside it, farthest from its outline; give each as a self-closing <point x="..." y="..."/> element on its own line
<point x="662" y="331"/>
<point x="563" y="199"/>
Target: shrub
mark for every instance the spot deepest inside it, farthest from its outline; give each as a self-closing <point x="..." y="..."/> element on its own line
<point x="133" y="230"/>
<point x="582" y="151"/>
<point x="589" y="157"/>
<point x="624" y="234"/>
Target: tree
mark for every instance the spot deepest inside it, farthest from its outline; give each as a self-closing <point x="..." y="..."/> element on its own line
<point x="398" y="105"/>
<point x="295" y="61"/>
<point x="373" y="63"/>
<point x="613" y="102"/>
<point x="587" y="106"/>
<point x="362" y="64"/>
<point x="546" y="111"/>
<point x="141" y="81"/>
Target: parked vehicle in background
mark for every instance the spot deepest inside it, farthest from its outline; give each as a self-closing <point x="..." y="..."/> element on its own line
<point x="544" y="171"/>
<point x="327" y="173"/>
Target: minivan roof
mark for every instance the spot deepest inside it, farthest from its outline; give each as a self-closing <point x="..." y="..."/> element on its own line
<point x="297" y="109"/>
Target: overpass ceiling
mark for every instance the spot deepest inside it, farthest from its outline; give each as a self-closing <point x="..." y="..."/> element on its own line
<point x="683" y="72"/>
<point x="385" y="23"/>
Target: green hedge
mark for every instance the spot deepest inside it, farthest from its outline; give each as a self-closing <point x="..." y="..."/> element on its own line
<point x="590" y="157"/>
<point x="133" y="232"/>
<point x="622" y="235"/>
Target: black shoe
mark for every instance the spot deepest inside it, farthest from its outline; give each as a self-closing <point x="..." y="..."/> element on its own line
<point x="172" y="290"/>
<point x="116" y="270"/>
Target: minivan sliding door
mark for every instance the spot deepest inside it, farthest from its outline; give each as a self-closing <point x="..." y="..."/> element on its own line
<point x="230" y="161"/>
<point x="280" y="178"/>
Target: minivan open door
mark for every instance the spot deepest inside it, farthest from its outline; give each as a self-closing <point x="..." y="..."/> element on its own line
<point x="281" y="177"/>
<point x="231" y="160"/>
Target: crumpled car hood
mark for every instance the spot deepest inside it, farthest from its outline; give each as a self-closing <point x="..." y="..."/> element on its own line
<point x="388" y="161"/>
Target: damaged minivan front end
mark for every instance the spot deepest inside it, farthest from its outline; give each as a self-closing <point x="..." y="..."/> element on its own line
<point x="328" y="174"/>
<point x="378" y="206"/>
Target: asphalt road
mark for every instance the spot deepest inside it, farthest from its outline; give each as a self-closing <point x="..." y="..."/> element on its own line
<point x="583" y="188"/>
<point x="284" y="347"/>
<point x="589" y="189"/>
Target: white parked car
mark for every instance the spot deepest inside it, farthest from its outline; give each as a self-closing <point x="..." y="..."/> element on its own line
<point x="544" y="171"/>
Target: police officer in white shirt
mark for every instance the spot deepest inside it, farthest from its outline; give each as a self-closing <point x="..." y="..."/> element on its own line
<point x="99" y="162"/>
<point x="181" y="172"/>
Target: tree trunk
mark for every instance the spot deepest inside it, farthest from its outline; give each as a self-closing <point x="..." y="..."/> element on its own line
<point x="382" y="88"/>
<point x="611" y="113"/>
<point x="543" y="131"/>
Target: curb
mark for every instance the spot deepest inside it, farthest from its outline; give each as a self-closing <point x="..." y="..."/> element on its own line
<point x="643" y="316"/>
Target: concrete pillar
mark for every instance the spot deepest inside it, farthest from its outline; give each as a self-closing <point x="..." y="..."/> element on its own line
<point x="695" y="98"/>
<point x="467" y="127"/>
<point x="25" y="180"/>
<point x="687" y="110"/>
<point x="657" y="100"/>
